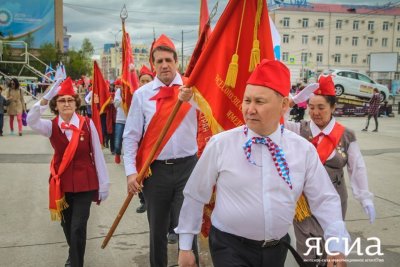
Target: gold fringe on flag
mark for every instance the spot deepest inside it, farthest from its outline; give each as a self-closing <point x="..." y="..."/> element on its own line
<point x="255" y="51"/>
<point x="231" y="75"/>
<point x="302" y="209"/>
<point x="203" y="105"/>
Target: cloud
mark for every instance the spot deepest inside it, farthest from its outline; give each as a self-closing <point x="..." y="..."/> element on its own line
<point x="101" y="22"/>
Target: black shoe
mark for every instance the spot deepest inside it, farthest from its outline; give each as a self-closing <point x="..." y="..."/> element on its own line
<point x="141" y="208"/>
<point x="68" y="262"/>
<point x="375" y="130"/>
<point x="364" y="130"/>
<point x="172" y="238"/>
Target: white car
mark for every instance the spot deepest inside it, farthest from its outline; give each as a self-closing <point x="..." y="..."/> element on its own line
<point x="357" y="84"/>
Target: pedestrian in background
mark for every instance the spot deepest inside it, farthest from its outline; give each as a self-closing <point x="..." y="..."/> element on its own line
<point x="16" y="105"/>
<point x="373" y="110"/>
<point x="3" y="103"/>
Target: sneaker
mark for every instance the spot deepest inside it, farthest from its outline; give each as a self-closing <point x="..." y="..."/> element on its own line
<point x="141" y="208"/>
<point x="172" y="238"/>
<point x="117" y="159"/>
<point x="12" y="133"/>
<point x="364" y="130"/>
<point x="20" y="134"/>
<point x="375" y="130"/>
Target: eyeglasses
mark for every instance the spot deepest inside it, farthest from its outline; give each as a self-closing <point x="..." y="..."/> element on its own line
<point x="64" y="101"/>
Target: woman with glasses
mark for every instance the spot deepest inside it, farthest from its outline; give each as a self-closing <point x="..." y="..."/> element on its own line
<point x="16" y="105"/>
<point x="78" y="170"/>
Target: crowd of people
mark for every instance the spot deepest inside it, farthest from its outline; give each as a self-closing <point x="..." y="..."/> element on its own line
<point x="254" y="170"/>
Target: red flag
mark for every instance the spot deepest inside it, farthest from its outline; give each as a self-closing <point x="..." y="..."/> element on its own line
<point x="204" y="18"/>
<point x="239" y="41"/>
<point x="130" y="81"/>
<point x="100" y="98"/>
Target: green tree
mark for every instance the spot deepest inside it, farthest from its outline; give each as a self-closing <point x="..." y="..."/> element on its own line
<point x="87" y="48"/>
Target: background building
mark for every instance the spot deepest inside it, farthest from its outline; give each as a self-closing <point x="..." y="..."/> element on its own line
<point x="317" y="37"/>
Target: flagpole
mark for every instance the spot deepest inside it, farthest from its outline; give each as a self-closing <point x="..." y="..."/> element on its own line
<point x="142" y="172"/>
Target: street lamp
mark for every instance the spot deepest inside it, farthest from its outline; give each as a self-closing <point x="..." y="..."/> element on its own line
<point x="116" y="53"/>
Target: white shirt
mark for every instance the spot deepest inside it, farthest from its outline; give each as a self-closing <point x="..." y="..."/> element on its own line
<point x="44" y="127"/>
<point x="355" y="163"/>
<point x="254" y="201"/>
<point x="120" y="118"/>
<point x="181" y="144"/>
<point x="88" y="98"/>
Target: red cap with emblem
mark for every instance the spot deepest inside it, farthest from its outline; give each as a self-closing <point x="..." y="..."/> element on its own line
<point x="272" y="74"/>
<point x="326" y="86"/>
<point x="67" y="87"/>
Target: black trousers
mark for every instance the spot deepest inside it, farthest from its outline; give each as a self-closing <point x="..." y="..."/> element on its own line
<point x="163" y="193"/>
<point x="74" y="224"/>
<point x="229" y="250"/>
<point x="375" y="118"/>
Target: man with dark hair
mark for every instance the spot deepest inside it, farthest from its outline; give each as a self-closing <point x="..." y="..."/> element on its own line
<point x="174" y="161"/>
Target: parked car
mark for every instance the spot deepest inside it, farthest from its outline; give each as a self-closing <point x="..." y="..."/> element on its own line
<point x="357" y="84"/>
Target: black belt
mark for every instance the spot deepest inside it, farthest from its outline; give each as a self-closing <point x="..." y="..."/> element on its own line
<point x="254" y="243"/>
<point x="174" y="161"/>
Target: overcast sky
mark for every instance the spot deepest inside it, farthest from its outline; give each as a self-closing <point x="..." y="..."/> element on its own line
<point x="100" y="20"/>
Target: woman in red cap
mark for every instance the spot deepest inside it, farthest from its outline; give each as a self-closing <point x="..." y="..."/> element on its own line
<point x="337" y="148"/>
<point x="78" y="170"/>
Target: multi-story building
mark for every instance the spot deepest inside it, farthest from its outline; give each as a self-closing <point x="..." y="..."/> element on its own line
<point x="322" y="36"/>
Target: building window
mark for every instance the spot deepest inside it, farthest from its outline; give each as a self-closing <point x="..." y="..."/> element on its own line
<point x="304" y="57"/>
<point x="370" y="41"/>
<point x="320" y="39"/>
<point x="319" y="57"/>
<point x="385" y="26"/>
<point x="285" y="39"/>
<point x="384" y="42"/>
<point x="339" y="24"/>
<point x="320" y="23"/>
<point x="355" y="24"/>
<point x="354" y="41"/>
<point x="285" y="56"/>
<point x="338" y="40"/>
<point x="370" y="25"/>
<point x="398" y="42"/>
<point x="354" y="59"/>
<point x="398" y="26"/>
<point x="305" y="23"/>
<point x="337" y="58"/>
<point x="304" y="39"/>
<point x="286" y="22"/>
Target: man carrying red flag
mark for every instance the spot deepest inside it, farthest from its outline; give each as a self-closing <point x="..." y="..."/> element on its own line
<point x="174" y="161"/>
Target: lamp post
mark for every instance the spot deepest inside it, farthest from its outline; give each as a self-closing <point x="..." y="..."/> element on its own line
<point x="116" y="53"/>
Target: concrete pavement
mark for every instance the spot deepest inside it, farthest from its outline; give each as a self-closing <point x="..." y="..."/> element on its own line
<point x="29" y="238"/>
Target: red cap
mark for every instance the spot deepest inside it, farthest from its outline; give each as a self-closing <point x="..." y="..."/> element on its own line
<point x="67" y="87"/>
<point x="145" y="70"/>
<point x="118" y="82"/>
<point x="326" y="86"/>
<point x="163" y="40"/>
<point x="272" y="74"/>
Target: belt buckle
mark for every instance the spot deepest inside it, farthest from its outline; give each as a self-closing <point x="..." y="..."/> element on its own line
<point x="166" y="162"/>
<point x="269" y="243"/>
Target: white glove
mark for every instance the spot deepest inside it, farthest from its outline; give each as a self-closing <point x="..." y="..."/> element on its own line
<point x="103" y="195"/>
<point x="370" y="211"/>
<point x="52" y="92"/>
<point x="305" y="94"/>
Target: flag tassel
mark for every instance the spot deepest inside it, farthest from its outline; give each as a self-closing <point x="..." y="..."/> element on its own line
<point x="231" y="75"/>
<point x="302" y="209"/>
<point x="255" y="55"/>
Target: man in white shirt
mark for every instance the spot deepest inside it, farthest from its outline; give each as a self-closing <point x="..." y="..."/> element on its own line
<point x="152" y="103"/>
<point x="259" y="177"/>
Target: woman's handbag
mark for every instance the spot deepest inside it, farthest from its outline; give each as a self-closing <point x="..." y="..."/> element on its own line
<point x="24" y="115"/>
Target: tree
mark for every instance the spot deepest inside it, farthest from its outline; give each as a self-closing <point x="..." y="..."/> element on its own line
<point x="87" y="48"/>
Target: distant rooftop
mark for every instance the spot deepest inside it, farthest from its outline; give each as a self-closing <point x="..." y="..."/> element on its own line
<point x="346" y="9"/>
